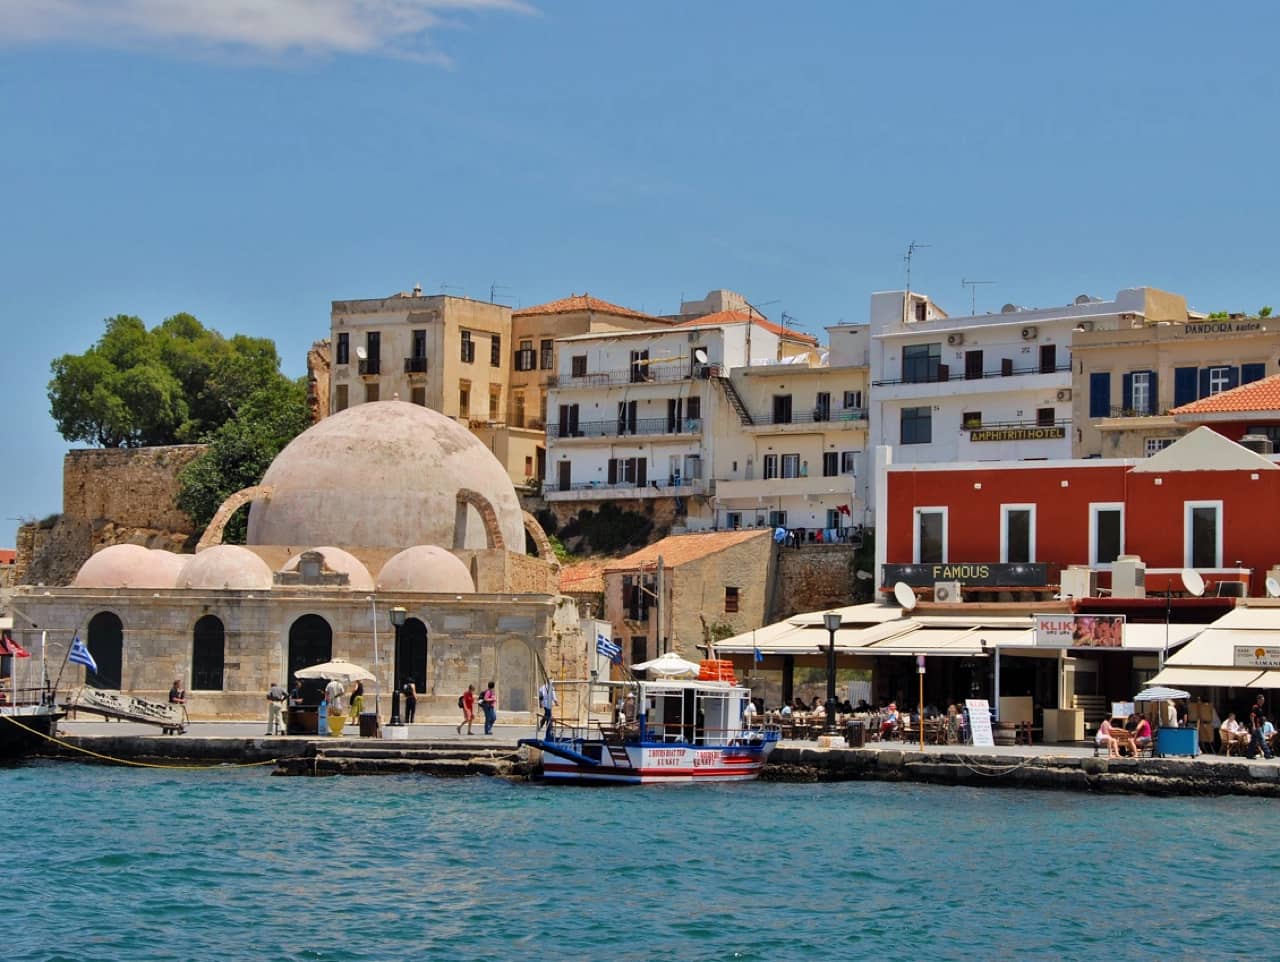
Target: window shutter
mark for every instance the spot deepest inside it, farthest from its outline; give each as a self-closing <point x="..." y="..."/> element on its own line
<point x="1126" y="392"/>
<point x="1099" y="395"/>
<point x="1233" y="377"/>
<point x="1204" y="382"/>
<point x="1153" y="393"/>
<point x="1184" y="385"/>
<point x="1252" y="372"/>
<point x="642" y="472"/>
<point x="613" y="470"/>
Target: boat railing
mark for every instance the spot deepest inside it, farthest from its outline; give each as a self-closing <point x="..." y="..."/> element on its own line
<point x="673" y="733"/>
<point x="24" y="697"/>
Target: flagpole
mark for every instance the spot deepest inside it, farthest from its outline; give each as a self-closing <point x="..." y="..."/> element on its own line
<point x="44" y="671"/>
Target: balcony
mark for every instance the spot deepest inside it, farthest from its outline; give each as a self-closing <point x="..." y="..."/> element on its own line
<point x="840" y="485"/>
<point x="646" y="374"/>
<point x="370" y="367"/>
<point x="955" y="384"/>
<point x="943" y="374"/>
<point x="646" y="427"/>
<point x="592" y="491"/>
<point x="416" y="368"/>
<point x="840" y="419"/>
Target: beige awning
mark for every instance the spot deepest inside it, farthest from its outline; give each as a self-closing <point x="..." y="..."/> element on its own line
<point x="1268" y="679"/>
<point x="1152" y="637"/>
<point x="1206" y="677"/>
<point x="1215" y="647"/>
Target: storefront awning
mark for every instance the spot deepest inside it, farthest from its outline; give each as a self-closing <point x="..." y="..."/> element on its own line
<point x="1268" y="679"/>
<point x="1215" y="647"/>
<point x="1206" y="677"/>
<point x="1153" y="637"/>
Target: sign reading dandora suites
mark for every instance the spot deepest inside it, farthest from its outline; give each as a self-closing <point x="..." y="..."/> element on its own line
<point x="1018" y="434"/>
<point x="976" y="574"/>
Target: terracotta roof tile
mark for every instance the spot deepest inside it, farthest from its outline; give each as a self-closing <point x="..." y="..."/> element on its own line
<point x="678" y="549"/>
<point x="8" y="556"/>
<point x="737" y="317"/>
<point x="585" y="577"/>
<point x="581" y="302"/>
<point x="1263" y="395"/>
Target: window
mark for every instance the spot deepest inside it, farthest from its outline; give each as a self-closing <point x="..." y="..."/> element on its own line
<point x="207" y="663"/>
<point x="1140" y="401"/>
<point x="626" y="417"/>
<point x="568" y="420"/>
<point x="1219" y="379"/>
<point x="525" y="356"/>
<point x="730" y="600"/>
<point x="495" y="402"/>
<point x="693" y="466"/>
<point x="733" y="520"/>
<point x="340" y="401"/>
<point x="548" y="354"/>
<point x="822" y="406"/>
<point x="1252" y="372"/>
<point x="1202" y="534"/>
<point x="693" y="411"/>
<point x="920" y="362"/>
<point x="770" y="466"/>
<point x="1156" y="445"/>
<point x="1048" y="358"/>
<point x="782" y="409"/>
<point x="579" y="362"/>
<point x="833" y="518"/>
<point x="777" y="519"/>
<point x="418" y="395"/>
<point x="373" y="345"/>
<point x="830" y="464"/>
<point x="464" y="399"/>
<point x="639" y="366"/>
<point x="633" y="472"/>
<point x="972" y="365"/>
<point x="1184" y="385"/>
<point x="639" y="648"/>
<point x="852" y="399"/>
<point x="528" y="465"/>
<point x="917" y="425"/>
<point x="1017" y="533"/>
<point x="846" y="461"/>
<point x="468" y="348"/>
<point x="1044" y="417"/>
<point x="420" y="343"/>
<point x="371" y="392"/>
<point x="517" y="409"/>
<point x="971" y="420"/>
<point x="1100" y="394"/>
<point x="344" y="348"/>
<point x="495" y="350"/>
<point x="930" y="536"/>
<point x="791" y="465"/>
<point x="675" y="415"/>
<point x="1106" y="532"/>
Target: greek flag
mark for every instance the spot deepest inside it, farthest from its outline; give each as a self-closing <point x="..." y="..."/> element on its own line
<point x="79" y="655"/>
<point x="759" y="655"/>
<point x="606" y="647"/>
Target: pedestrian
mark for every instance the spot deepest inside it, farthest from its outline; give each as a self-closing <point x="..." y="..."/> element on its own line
<point x="489" y="704"/>
<point x="467" y="702"/>
<point x="547" y="700"/>
<point x="276" y="698"/>
<point x="336" y="692"/>
<point x="1258" y="718"/>
<point x="410" y="692"/>
<point x="178" y="696"/>
<point x="297" y="697"/>
<point x="357" y="702"/>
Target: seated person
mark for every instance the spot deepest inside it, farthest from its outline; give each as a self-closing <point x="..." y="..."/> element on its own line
<point x="863" y="707"/>
<point x="892" y="720"/>
<point x="1142" y="734"/>
<point x="1269" y="734"/>
<point x="1105" y="739"/>
<point x="1233" y="733"/>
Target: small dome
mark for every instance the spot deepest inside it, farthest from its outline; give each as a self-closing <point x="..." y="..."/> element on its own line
<point x="426" y="568"/>
<point x="335" y="559"/>
<point x="226" y="566"/>
<point x="130" y="566"/>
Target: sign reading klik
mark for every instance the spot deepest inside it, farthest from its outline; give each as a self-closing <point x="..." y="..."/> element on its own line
<point x="978" y="574"/>
<point x="1079" y="631"/>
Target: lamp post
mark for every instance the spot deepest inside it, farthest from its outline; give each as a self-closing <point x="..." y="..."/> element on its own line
<point x="397" y="621"/>
<point x="832" y="622"/>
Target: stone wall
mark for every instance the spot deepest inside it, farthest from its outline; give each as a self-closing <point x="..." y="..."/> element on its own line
<point x="661" y="511"/>
<point x="319" y="369"/>
<point x="812" y="578"/>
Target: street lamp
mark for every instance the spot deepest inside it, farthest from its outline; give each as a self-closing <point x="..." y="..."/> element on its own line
<point x="832" y="622"/>
<point x="397" y="621"/>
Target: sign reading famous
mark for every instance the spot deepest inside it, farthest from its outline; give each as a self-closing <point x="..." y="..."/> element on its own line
<point x="1079" y="631"/>
<point x="978" y="574"/>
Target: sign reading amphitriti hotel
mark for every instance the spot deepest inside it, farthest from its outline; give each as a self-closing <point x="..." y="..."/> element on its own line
<point x="1205" y="503"/>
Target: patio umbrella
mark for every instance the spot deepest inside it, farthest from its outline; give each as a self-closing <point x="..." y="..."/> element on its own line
<point x="343" y="671"/>
<point x="669" y="665"/>
<point x="1160" y="694"/>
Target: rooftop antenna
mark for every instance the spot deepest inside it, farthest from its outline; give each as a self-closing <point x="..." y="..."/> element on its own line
<point x="494" y="288"/>
<point x="906" y="300"/>
<point x="973" y="294"/>
<point x="753" y="310"/>
<point x="449" y="287"/>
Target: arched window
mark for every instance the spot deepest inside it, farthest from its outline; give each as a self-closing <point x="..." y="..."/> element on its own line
<point x="106" y="644"/>
<point x="411" y="656"/>
<point x="207" y="654"/>
<point x="310" y="643"/>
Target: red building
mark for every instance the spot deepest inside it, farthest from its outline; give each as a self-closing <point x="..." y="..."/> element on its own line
<point x="1205" y="502"/>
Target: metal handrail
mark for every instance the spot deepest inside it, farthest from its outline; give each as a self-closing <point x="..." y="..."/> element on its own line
<point x="811" y="417"/>
<point x="989" y="425"/>
<point x="615" y="428"/>
<point x="938" y="378"/>
<point x="640" y="374"/>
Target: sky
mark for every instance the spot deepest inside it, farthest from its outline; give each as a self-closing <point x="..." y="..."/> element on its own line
<point x="249" y="161"/>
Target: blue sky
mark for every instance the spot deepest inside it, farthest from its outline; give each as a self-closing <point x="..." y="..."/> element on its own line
<point x="251" y="160"/>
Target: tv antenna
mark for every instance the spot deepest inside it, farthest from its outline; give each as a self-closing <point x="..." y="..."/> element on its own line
<point x="494" y="288"/>
<point x="911" y="250"/>
<point x="449" y="287"/>
<point x="973" y="294"/>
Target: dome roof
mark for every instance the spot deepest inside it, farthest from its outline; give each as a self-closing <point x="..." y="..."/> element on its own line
<point x="130" y="566"/>
<point x="226" y="566"/>
<point x="335" y="559"/>
<point x="426" y="568"/>
<point x="383" y="475"/>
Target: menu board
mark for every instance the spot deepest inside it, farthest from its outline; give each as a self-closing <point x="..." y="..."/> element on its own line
<point x="1122" y="709"/>
<point x="980" y="721"/>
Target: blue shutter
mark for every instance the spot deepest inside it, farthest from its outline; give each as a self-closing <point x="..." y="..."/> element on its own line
<point x="1126" y="392"/>
<point x="1153" y="394"/>
<point x="1204" y="382"/>
<point x="1184" y="385"/>
<point x="1252" y="372"/>
<point x="1233" y="377"/>
<point x="1099" y="395"/>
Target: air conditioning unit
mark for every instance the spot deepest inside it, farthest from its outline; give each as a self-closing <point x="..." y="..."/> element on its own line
<point x="1030" y="333"/>
<point x="1064" y="394"/>
<point x="1084" y="326"/>
<point x="1079" y="581"/>
<point x="955" y="339"/>
<point x="947" y="592"/>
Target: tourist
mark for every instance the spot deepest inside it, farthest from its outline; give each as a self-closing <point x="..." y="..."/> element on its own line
<point x="1233" y="733"/>
<point x="467" y="702"/>
<point x="749" y="714"/>
<point x="357" y="702"/>
<point x="489" y="705"/>
<point x="889" y="724"/>
<point x="1257" y="716"/>
<point x="1170" y="715"/>
<point x="297" y="696"/>
<point x="1105" y="739"/>
<point x="275" y="709"/>
<point x="335" y="693"/>
<point x="177" y="694"/>
<point x="410" y="692"/>
<point x="547" y="700"/>
<point x="1142" y="735"/>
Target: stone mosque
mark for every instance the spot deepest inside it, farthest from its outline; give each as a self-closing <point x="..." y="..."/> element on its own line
<point x="381" y="506"/>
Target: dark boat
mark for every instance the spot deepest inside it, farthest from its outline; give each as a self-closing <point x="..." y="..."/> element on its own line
<point x="26" y="728"/>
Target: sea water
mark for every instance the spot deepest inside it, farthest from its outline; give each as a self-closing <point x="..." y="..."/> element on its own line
<point x="224" y="864"/>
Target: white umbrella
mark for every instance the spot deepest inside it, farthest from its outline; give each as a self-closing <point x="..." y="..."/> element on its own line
<point x="1161" y="694"/>
<point x="343" y="671"/>
<point x="669" y="665"/>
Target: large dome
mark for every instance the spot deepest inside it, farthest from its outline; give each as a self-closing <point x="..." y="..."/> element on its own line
<point x="130" y="566"/>
<point x="383" y="475"/>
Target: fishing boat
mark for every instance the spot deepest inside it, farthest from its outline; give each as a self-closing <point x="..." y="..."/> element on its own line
<point x="665" y="730"/>
<point x="26" y="724"/>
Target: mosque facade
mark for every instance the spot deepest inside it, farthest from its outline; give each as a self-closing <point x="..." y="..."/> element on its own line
<point x="385" y="505"/>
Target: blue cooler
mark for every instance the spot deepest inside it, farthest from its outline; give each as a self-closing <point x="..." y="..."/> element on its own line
<point x="1178" y="741"/>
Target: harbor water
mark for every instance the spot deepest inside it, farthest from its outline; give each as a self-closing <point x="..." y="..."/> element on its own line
<point x="118" y="865"/>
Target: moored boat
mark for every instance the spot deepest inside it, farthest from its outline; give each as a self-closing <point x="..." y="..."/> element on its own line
<point x="26" y="728"/>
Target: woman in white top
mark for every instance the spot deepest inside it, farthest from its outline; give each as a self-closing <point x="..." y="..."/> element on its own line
<point x="1107" y="740"/>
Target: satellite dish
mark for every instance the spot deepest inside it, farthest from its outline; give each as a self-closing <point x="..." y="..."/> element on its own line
<point x="1273" y="588"/>
<point x="1192" y="581"/>
<point x="904" y="595"/>
<point x="362" y="354"/>
<point x="700" y="355"/>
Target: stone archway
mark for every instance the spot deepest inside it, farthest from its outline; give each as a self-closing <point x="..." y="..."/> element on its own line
<point x="540" y="539"/>
<point x="213" y="533"/>
<point x="488" y="516"/>
<point x="106" y="644"/>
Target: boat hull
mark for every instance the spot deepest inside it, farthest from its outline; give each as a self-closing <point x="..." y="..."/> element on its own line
<point x="25" y="731"/>
<point x="661" y="764"/>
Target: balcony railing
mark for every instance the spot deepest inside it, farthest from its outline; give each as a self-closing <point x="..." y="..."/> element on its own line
<point x="611" y="429"/>
<point x="1136" y="413"/>
<point x="1001" y="425"/>
<point x="415" y="365"/>
<point x="674" y="486"/>
<point x="640" y="374"/>
<point x="370" y="366"/>
<point x="945" y="374"/>
<point x="815" y="416"/>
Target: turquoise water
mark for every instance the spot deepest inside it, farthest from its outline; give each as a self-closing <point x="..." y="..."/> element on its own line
<point x="226" y="865"/>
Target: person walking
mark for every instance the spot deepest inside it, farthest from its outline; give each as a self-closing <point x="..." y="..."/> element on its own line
<point x="357" y="702"/>
<point x="548" y="700"/>
<point x="489" y="705"/>
<point x="410" y="693"/>
<point x="1258" y="718"/>
<point x="467" y="702"/>
<point x="276" y="698"/>
<point x="178" y="696"/>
